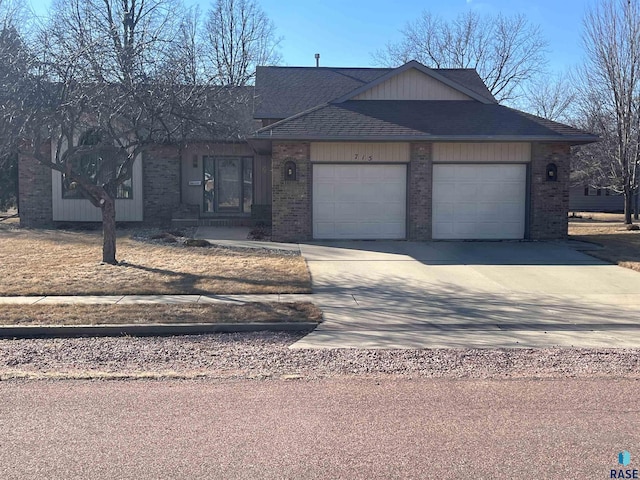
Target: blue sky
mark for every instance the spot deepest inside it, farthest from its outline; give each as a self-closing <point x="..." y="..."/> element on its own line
<point x="346" y="32"/>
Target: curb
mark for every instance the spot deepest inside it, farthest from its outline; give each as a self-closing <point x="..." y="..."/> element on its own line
<point x="155" y="330"/>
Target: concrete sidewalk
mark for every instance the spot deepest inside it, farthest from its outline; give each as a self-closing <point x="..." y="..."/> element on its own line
<point x="150" y="299"/>
<point x="153" y="329"/>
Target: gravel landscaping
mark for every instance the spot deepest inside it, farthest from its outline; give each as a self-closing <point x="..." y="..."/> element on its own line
<point x="266" y="355"/>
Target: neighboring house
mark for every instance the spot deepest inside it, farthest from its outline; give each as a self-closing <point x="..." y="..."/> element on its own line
<point x="588" y="199"/>
<point x="354" y="153"/>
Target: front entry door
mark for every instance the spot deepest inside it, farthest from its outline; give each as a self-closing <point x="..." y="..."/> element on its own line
<point x="227" y="184"/>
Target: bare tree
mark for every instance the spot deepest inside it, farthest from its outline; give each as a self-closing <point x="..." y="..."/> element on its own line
<point x="112" y="80"/>
<point x="240" y="37"/>
<point x="610" y="96"/>
<point x="552" y="98"/>
<point x="506" y="51"/>
<point x="14" y="58"/>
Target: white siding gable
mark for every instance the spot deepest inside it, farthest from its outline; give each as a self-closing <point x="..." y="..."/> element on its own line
<point x="411" y="85"/>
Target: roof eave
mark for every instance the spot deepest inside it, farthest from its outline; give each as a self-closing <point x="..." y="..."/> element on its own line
<point x="572" y="140"/>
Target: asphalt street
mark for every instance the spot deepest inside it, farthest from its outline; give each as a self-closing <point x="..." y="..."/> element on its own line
<point x="351" y="428"/>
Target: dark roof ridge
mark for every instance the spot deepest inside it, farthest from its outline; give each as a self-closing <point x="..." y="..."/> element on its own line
<point x="323" y="68"/>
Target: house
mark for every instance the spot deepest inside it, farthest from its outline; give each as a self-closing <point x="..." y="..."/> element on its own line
<point x="589" y="199"/>
<point x="353" y="153"/>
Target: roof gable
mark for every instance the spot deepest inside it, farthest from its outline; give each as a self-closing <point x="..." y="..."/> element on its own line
<point x="442" y="80"/>
<point x="411" y="84"/>
<point x="285" y="91"/>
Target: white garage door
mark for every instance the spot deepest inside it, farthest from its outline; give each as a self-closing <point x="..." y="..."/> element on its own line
<point x="479" y="201"/>
<point x="359" y="201"/>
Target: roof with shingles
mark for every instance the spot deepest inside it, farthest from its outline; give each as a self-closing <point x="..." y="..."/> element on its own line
<point x="285" y="91"/>
<point x="419" y="119"/>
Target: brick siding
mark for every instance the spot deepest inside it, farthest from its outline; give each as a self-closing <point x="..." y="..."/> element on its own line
<point x="291" y="217"/>
<point x="420" y="191"/>
<point x="161" y="183"/>
<point x="34" y="187"/>
<point x="549" y="205"/>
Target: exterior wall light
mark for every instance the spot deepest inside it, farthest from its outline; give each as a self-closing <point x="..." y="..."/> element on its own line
<point x="552" y="172"/>
<point x="290" y="173"/>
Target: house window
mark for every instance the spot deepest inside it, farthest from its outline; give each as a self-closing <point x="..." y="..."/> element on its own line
<point x="94" y="167"/>
<point x="228" y="184"/>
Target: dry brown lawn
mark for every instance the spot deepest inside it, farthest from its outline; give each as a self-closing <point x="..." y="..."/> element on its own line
<point x="158" y="313"/>
<point x="619" y="245"/>
<point x="53" y="262"/>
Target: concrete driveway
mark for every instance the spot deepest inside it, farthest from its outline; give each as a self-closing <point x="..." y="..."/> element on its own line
<point x="469" y="294"/>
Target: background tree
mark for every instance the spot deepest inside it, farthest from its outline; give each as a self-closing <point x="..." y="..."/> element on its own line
<point x="610" y="98"/>
<point x="239" y="37"/>
<point x="551" y="97"/>
<point x="14" y="58"/>
<point x="112" y="80"/>
<point x="505" y="50"/>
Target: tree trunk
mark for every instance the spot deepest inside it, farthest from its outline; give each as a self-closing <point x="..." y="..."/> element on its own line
<point x="636" y="209"/>
<point x="109" y="230"/>
<point x="628" y="198"/>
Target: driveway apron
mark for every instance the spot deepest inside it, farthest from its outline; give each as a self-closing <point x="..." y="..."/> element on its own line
<point x="469" y="295"/>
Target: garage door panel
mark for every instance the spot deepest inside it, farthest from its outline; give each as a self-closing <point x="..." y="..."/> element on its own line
<point x="465" y="212"/>
<point x="512" y="192"/>
<point x="324" y="190"/>
<point x="326" y="229"/>
<point x="323" y="212"/>
<point x="364" y="201"/>
<point x="442" y="230"/>
<point x="479" y="201"/>
<point x="442" y="212"/>
<point x="394" y="210"/>
<point x="444" y="191"/>
<point x="465" y="192"/>
<point x="444" y="173"/>
<point x="493" y="192"/>
<point x="463" y="173"/>
<point x="345" y="172"/>
<point x="345" y="194"/>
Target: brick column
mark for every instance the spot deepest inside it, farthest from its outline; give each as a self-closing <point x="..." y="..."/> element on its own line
<point x="161" y="183"/>
<point x="291" y="207"/>
<point x="34" y="190"/>
<point x="420" y="191"/>
<point x="549" y="199"/>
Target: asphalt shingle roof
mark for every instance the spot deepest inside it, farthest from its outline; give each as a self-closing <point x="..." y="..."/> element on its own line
<point x="410" y="119"/>
<point x="285" y="91"/>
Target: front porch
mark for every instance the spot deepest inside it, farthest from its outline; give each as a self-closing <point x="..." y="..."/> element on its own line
<point x="223" y="184"/>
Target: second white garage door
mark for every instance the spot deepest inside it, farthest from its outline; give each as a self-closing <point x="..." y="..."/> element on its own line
<point x="359" y="201"/>
<point x="479" y="201"/>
